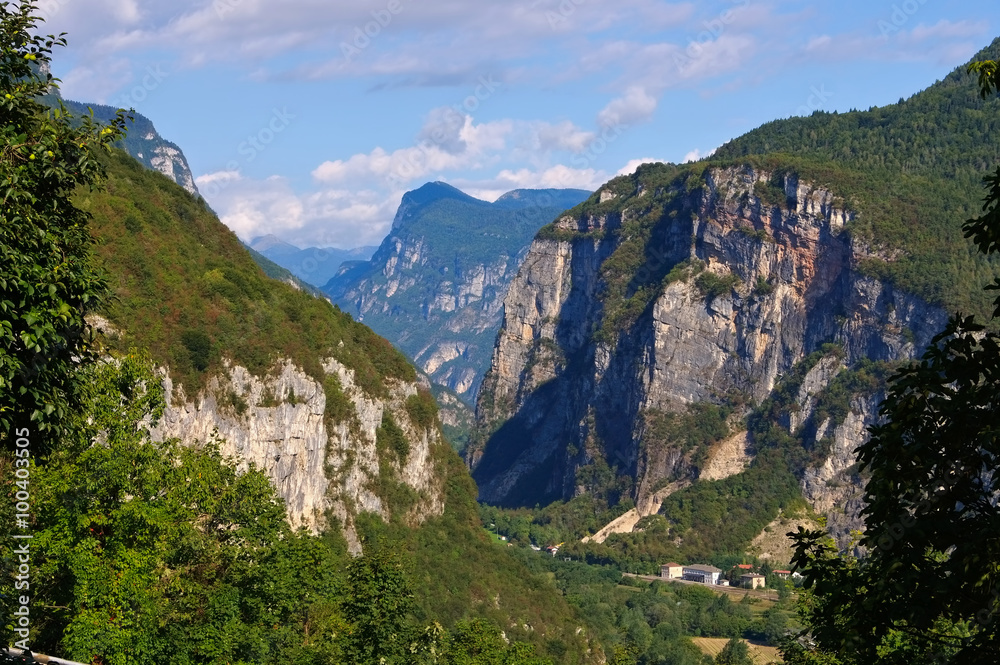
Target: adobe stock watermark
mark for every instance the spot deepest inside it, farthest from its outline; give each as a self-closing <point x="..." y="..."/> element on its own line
<point x="599" y="145"/>
<point x="558" y="16"/>
<point x="223" y="7"/>
<point x="21" y="619"/>
<point x="151" y="80"/>
<point x="49" y="8"/>
<point x="817" y="98"/>
<point x="253" y="146"/>
<point x="363" y="35"/>
<point x="454" y="116"/>
<point x="713" y="29"/>
<point x="901" y="14"/>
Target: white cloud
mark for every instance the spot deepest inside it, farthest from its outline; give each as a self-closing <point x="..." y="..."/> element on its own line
<point x="635" y="106"/>
<point x="442" y="148"/>
<point x="944" y="42"/>
<point x="329" y="217"/>
<point x="558" y="176"/>
<point x="564" y="136"/>
<point x="633" y="164"/>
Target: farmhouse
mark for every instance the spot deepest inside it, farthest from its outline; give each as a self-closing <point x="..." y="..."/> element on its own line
<point x="752" y="581"/>
<point x="671" y="571"/>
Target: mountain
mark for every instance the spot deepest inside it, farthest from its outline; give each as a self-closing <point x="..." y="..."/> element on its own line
<point x="734" y="321"/>
<point x="436" y="284"/>
<point x="144" y="144"/>
<point x="336" y="417"/>
<point x="315" y="265"/>
<point x="274" y="271"/>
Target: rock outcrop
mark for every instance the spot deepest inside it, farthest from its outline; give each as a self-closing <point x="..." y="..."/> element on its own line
<point x="145" y="144"/>
<point x="670" y="289"/>
<point x="322" y="468"/>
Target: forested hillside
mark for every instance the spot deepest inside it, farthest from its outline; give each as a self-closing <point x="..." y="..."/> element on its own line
<point x="913" y="171"/>
<point x="186" y="289"/>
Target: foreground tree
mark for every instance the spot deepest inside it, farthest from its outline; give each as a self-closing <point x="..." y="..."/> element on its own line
<point x="928" y="590"/>
<point x="47" y="280"/>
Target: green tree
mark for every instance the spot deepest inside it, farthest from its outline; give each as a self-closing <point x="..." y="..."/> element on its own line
<point x="377" y="608"/>
<point x="928" y="590"/>
<point x="478" y="642"/>
<point x="47" y="280"/>
<point x="735" y="652"/>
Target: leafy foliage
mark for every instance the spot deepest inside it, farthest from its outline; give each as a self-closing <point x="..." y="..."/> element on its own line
<point x="47" y="283"/>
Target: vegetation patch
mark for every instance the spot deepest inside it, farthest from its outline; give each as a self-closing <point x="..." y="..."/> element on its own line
<point x="712" y="285"/>
<point x="422" y="409"/>
<point x="390" y="440"/>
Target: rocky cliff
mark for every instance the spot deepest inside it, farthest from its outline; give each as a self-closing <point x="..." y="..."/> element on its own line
<point x="144" y="144"/>
<point x="675" y="287"/>
<point x="321" y="467"/>
<point x="435" y="286"/>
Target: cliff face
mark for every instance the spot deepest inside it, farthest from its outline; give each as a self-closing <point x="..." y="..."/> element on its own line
<point x="448" y="320"/>
<point x="145" y="144"/>
<point x="435" y="286"/>
<point x="666" y="293"/>
<point x="320" y="466"/>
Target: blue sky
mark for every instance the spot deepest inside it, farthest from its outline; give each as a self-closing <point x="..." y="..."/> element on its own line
<point x="309" y="118"/>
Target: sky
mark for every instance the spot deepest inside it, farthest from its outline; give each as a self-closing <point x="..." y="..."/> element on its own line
<point x="309" y="119"/>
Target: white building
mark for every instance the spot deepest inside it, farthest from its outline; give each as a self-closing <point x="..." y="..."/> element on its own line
<point x="703" y="574"/>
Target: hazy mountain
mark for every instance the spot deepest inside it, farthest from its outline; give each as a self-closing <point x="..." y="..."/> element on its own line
<point x="315" y="265"/>
<point x="436" y="284"/>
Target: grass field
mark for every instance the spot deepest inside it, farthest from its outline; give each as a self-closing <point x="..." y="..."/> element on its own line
<point x="761" y="655"/>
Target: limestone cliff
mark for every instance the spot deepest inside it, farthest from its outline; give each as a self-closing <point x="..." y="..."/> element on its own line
<point x="321" y="467"/>
<point x="145" y="144"/>
<point x="672" y="287"/>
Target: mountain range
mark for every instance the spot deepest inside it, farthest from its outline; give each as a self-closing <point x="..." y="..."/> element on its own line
<point x="669" y="368"/>
<point x="436" y="283"/>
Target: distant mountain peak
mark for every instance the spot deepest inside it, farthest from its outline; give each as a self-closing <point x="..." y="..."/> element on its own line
<point x="427" y="194"/>
<point x="269" y="241"/>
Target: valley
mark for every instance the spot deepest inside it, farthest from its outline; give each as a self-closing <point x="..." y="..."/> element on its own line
<point x="524" y="428"/>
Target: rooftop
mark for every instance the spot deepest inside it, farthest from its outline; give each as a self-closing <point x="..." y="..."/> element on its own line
<point x="702" y="568"/>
